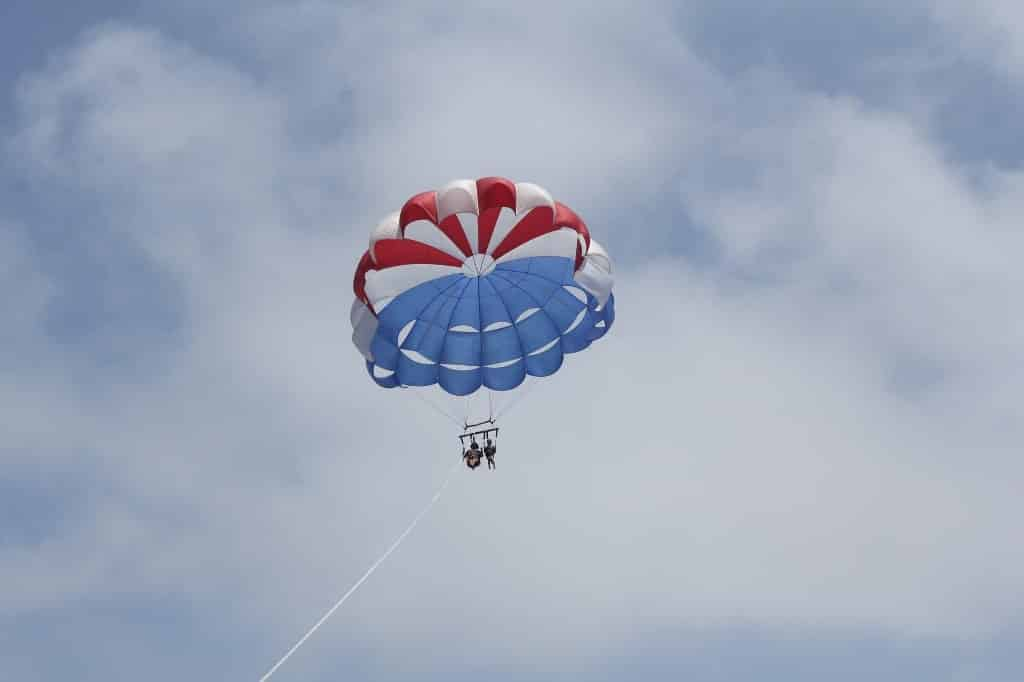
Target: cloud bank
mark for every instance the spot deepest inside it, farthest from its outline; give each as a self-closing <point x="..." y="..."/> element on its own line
<point x="804" y="427"/>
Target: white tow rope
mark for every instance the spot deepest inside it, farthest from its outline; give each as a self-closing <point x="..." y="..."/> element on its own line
<point x="366" y="575"/>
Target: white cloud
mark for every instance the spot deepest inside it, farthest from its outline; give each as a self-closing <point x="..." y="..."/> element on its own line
<point x="992" y="30"/>
<point x="928" y="256"/>
<point x="731" y="453"/>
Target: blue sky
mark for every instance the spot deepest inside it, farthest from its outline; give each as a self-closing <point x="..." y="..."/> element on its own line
<point x="796" y="457"/>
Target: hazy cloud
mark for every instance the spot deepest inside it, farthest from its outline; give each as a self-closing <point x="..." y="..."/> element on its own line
<point x="804" y="426"/>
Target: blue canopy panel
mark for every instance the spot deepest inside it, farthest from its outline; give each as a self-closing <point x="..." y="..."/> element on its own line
<point x="466" y="332"/>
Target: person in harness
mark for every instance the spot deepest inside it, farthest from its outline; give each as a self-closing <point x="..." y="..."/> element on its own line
<point x="489" y="451"/>
<point x="472" y="454"/>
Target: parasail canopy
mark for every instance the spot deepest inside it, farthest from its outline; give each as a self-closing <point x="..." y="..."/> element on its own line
<point x="479" y="285"/>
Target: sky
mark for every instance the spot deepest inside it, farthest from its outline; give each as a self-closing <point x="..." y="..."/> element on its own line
<point x="795" y="457"/>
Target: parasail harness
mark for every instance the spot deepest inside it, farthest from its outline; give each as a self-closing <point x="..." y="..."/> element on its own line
<point x="484" y="432"/>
